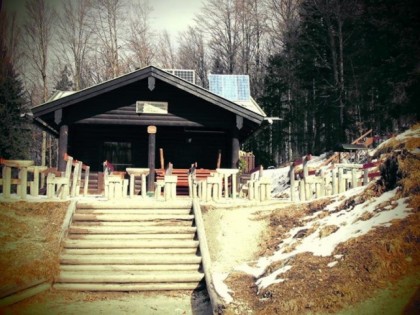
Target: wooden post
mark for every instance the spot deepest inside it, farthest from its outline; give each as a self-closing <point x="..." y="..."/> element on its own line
<point x="162" y="159"/>
<point x="302" y="190"/>
<point x="86" y="181"/>
<point x="151" y="130"/>
<point x="334" y="182"/>
<point x="292" y="181"/>
<point x="365" y="176"/>
<point x="219" y="159"/>
<point x="305" y="179"/>
<point x="62" y="147"/>
<point x="235" y="148"/>
<point x="353" y="178"/>
<point x="341" y="181"/>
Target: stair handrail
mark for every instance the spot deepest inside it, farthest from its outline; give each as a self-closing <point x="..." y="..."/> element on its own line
<point x="216" y="302"/>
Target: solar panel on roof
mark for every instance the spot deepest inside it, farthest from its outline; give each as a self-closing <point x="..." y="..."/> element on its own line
<point x="232" y="87"/>
<point x="187" y="75"/>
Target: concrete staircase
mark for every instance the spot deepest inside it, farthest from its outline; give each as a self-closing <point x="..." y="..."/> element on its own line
<point x="130" y="246"/>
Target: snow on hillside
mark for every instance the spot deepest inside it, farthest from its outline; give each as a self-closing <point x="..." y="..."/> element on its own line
<point x="343" y="224"/>
<point x="347" y="216"/>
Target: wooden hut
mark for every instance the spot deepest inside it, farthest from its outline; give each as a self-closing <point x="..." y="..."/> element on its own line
<point x="127" y="120"/>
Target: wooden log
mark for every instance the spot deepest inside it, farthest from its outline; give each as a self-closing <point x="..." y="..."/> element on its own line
<point x="134" y="204"/>
<point x="172" y="223"/>
<point x="21" y="294"/>
<point x="67" y="220"/>
<point x="130" y="259"/>
<point x="216" y="302"/>
<point x="131" y="217"/>
<point x="131" y="244"/>
<point x="130" y="236"/>
<point x="133" y="277"/>
<point x="125" y="268"/>
<point x="140" y="212"/>
<point x="126" y="287"/>
<point x="133" y="251"/>
<point x="132" y="230"/>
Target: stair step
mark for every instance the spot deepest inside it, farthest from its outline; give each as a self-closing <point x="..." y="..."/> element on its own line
<point x="126" y="286"/>
<point x="112" y="268"/>
<point x="131" y="229"/>
<point x="135" y="211"/>
<point x="134" y="204"/>
<point x="130" y="244"/>
<point x="133" y="223"/>
<point x="131" y="217"/>
<point x="130" y="276"/>
<point x="187" y="236"/>
<point x="130" y="259"/>
<point x="117" y="251"/>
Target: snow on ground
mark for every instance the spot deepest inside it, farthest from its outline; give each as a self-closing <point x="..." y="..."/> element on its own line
<point x="329" y="231"/>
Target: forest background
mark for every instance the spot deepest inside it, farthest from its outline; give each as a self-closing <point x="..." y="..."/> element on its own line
<point x="329" y="69"/>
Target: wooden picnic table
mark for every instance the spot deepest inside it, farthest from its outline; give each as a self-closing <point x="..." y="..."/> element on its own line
<point x="134" y="172"/>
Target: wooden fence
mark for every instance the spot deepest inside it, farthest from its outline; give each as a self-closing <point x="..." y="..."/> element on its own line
<point x="309" y="184"/>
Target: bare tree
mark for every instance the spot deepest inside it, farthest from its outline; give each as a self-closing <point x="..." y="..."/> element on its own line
<point x="106" y="24"/>
<point x="166" y="54"/>
<point x="37" y="40"/>
<point x="282" y="20"/>
<point x="75" y="37"/>
<point x="140" y="42"/>
<point x="219" y="21"/>
<point x="38" y="34"/>
<point x="192" y="54"/>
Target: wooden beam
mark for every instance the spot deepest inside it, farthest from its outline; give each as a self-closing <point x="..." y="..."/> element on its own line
<point x="62" y="147"/>
<point x="151" y="130"/>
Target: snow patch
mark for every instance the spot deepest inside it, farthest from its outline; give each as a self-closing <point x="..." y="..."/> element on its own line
<point x="221" y="288"/>
<point x="332" y="264"/>
<point x="347" y="224"/>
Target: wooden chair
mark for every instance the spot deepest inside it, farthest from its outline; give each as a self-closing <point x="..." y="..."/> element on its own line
<point x="58" y="185"/>
<point x="115" y="185"/>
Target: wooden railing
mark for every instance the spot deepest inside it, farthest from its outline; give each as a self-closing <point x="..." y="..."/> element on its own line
<point x="322" y="182"/>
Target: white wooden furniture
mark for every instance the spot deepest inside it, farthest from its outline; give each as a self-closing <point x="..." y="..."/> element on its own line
<point x="135" y="172"/>
<point x="228" y="173"/>
<point x="170" y="186"/>
<point x="34" y="185"/>
<point x="21" y="181"/>
<point x="59" y="186"/>
<point x="115" y="185"/>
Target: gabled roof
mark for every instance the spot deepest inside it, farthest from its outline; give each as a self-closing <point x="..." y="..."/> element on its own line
<point x="251" y="112"/>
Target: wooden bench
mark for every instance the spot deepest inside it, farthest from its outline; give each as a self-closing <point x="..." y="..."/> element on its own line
<point x="182" y="184"/>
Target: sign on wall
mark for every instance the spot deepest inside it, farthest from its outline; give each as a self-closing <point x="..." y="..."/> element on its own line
<point x="147" y="107"/>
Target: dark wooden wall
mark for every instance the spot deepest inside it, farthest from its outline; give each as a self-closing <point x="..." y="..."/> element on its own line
<point x="181" y="147"/>
<point x="194" y="130"/>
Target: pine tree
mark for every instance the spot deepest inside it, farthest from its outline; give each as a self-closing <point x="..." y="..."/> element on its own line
<point x="14" y="131"/>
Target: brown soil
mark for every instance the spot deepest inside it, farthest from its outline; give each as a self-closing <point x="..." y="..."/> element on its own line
<point x="378" y="260"/>
<point x="29" y="242"/>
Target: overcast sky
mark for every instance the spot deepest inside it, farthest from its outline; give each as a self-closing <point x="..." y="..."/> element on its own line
<point x="173" y="15"/>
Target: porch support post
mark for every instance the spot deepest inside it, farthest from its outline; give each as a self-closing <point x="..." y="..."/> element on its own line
<point x="62" y="147"/>
<point x="235" y="148"/>
<point x="151" y="130"/>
